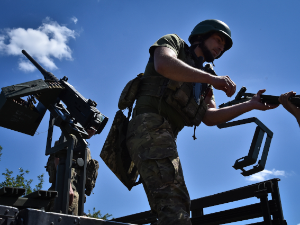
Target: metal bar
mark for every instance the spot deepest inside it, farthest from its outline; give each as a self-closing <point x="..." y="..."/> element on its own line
<point x="266" y="209"/>
<point x="63" y="176"/>
<point x="49" y="136"/>
<point x="141" y="218"/>
<point x="11" y="191"/>
<point x="82" y="180"/>
<point x="236" y="123"/>
<point x="262" y="161"/>
<point x="233" y="215"/>
<point x="276" y="198"/>
<point x="24" y="202"/>
<point x="229" y="196"/>
<point x="256" y="144"/>
<point x="42" y="194"/>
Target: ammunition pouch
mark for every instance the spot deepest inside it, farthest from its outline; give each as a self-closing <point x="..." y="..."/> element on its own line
<point x="129" y="93"/>
<point x="91" y="175"/>
<point x="115" y="153"/>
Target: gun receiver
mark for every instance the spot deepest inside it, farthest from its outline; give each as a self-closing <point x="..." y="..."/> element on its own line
<point x="83" y="110"/>
<point x="243" y="97"/>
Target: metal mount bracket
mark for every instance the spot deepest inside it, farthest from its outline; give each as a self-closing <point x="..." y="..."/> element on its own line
<point x="252" y="156"/>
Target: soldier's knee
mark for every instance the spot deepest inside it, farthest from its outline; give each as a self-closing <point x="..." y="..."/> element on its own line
<point x="174" y="214"/>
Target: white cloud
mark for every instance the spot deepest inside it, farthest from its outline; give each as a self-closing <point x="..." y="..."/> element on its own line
<point x="74" y="19"/>
<point x="26" y="66"/>
<point x="2" y="45"/>
<point x="44" y="43"/>
<point x="265" y="175"/>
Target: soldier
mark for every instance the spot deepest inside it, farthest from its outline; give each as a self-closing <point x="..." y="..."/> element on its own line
<point x="91" y="176"/>
<point x="176" y="91"/>
<point x="294" y="110"/>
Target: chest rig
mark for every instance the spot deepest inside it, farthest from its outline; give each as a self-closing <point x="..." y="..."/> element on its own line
<point x="179" y="95"/>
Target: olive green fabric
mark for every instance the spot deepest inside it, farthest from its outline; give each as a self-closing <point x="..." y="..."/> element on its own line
<point x="152" y="147"/>
<point x="180" y="48"/>
<point x="129" y="93"/>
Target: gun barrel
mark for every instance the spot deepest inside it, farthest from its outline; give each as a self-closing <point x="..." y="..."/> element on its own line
<point x="47" y="75"/>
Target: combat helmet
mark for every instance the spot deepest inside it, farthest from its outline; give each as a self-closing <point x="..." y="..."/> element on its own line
<point x="207" y="26"/>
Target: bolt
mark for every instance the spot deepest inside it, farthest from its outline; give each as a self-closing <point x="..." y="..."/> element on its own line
<point x="59" y="219"/>
<point x="6" y="211"/>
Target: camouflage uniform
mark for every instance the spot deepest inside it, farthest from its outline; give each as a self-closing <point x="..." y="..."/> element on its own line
<point x="91" y="176"/>
<point x="152" y="147"/>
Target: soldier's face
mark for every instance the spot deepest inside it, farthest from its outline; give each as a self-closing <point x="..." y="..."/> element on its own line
<point x="215" y="44"/>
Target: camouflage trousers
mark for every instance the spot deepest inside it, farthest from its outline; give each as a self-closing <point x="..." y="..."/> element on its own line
<point x="73" y="208"/>
<point x="75" y="178"/>
<point x="152" y="147"/>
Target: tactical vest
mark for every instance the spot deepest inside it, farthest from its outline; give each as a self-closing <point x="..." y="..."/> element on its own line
<point x="179" y="95"/>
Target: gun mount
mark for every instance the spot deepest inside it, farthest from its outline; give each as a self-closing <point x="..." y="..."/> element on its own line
<point x="79" y="115"/>
<point x="261" y="129"/>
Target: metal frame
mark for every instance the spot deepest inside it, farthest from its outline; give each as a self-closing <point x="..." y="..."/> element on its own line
<point x="12" y="216"/>
<point x="252" y="156"/>
<point x="265" y="208"/>
<point x="11" y="196"/>
<point x="64" y="150"/>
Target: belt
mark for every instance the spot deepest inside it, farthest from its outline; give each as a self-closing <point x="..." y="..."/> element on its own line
<point x="145" y="110"/>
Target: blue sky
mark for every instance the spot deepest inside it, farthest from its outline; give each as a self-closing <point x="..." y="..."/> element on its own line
<point x="101" y="45"/>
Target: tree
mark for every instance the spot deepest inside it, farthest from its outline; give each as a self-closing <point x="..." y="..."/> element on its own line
<point x="98" y="215"/>
<point x="19" y="180"/>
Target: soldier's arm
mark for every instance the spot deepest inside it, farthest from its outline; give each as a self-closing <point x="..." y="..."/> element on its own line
<point x="215" y="116"/>
<point x="294" y="110"/>
<point x="167" y="64"/>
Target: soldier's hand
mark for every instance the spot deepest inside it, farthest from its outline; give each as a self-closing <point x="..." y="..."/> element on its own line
<point x="284" y="100"/>
<point x="258" y="104"/>
<point x="225" y="84"/>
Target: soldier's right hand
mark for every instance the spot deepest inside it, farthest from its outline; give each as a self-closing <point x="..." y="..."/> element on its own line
<point x="225" y="84"/>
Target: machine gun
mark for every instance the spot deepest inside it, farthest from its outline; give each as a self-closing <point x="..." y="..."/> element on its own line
<point x="79" y="115"/>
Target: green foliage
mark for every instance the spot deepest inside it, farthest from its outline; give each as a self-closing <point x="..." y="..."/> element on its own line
<point x="20" y="181"/>
<point x="98" y="215"/>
